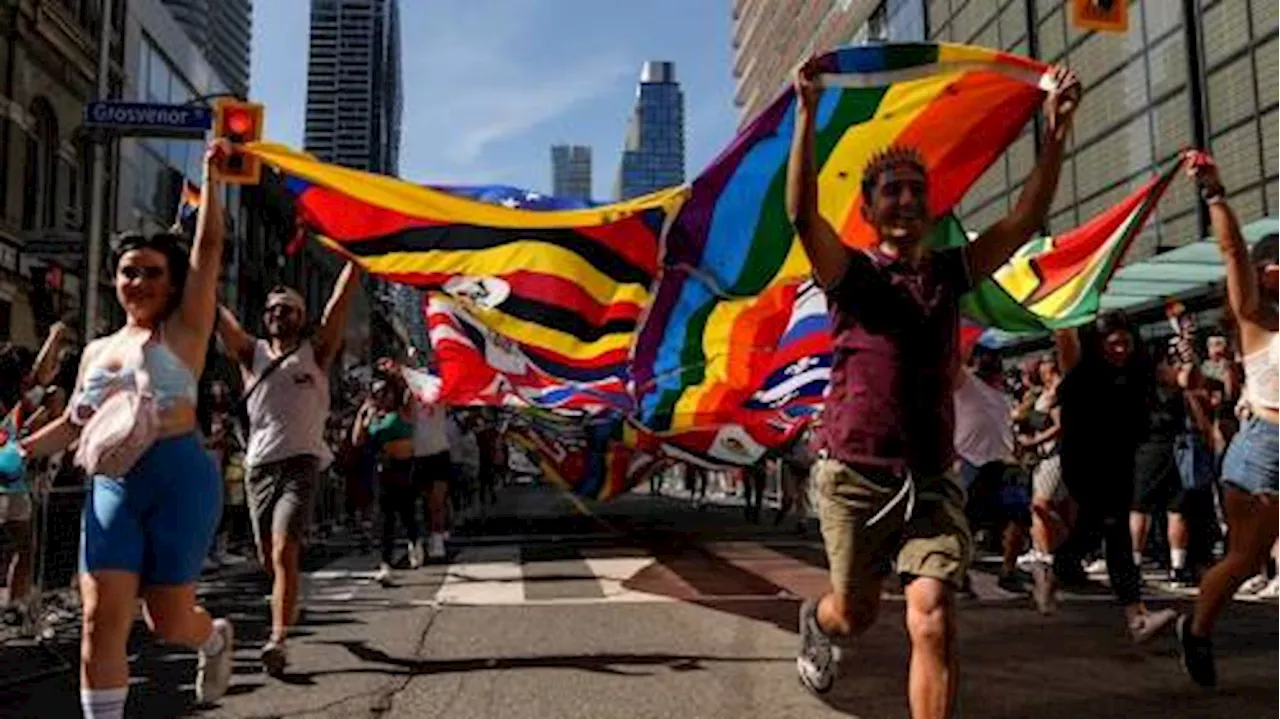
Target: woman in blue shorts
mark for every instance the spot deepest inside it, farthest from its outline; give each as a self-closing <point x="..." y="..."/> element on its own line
<point x="145" y="534"/>
<point x="1249" y="470"/>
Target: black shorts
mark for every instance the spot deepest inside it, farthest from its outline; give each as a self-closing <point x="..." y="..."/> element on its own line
<point x="992" y="500"/>
<point x="431" y="469"/>
<point x="1157" y="486"/>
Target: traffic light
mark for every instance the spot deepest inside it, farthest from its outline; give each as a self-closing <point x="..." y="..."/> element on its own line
<point x="238" y="122"/>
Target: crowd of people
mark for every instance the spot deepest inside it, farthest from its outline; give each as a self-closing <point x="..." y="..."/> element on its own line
<point x="1111" y="432"/>
<point x="1073" y="458"/>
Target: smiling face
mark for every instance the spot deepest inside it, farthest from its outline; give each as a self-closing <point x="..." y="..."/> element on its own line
<point x="282" y="318"/>
<point x="1117" y="347"/>
<point x="897" y="207"/>
<point x="144" y="285"/>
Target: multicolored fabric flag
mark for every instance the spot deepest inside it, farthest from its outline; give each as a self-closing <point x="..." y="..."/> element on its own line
<point x="731" y="252"/>
<point x="569" y="286"/>
<point x="1057" y="281"/>
<point x="516" y="198"/>
<point x="478" y="366"/>
<point x="597" y="458"/>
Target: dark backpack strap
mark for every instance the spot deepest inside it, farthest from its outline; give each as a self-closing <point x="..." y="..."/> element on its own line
<point x="272" y="366"/>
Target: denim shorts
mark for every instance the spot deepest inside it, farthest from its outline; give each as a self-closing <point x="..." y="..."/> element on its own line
<point x="1251" y="460"/>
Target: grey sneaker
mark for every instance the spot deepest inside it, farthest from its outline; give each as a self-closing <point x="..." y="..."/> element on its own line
<point x="819" y="657"/>
<point x="213" y="673"/>
<point x="1145" y="626"/>
<point x="274" y="658"/>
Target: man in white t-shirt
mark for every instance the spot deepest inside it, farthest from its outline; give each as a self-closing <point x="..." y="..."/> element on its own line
<point x="984" y="442"/>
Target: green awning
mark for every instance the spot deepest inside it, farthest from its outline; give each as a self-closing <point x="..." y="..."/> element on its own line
<point x="1182" y="272"/>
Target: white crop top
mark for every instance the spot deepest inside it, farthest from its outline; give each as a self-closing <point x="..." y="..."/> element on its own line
<point x="1262" y="375"/>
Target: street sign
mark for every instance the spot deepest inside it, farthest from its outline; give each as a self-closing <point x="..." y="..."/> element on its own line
<point x="1101" y="15"/>
<point x="142" y="118"/>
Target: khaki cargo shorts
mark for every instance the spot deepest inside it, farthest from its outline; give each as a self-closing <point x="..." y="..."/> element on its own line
<point x="871" y="522"/>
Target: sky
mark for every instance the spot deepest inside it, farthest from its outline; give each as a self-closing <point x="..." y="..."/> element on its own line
<point x="490" y="85"/>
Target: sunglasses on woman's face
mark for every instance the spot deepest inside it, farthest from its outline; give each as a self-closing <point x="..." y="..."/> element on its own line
<point x="144" y="272"/>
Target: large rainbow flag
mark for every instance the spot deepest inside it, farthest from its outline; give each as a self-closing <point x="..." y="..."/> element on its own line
<point x="568" y="286"/>
<point x="731" y="255"/>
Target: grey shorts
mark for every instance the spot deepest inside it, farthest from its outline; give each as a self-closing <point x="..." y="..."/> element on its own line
<point x="281" y="496"/>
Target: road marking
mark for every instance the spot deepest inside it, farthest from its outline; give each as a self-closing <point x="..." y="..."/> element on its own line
<point x="611" y="572"/>
<point x="484" y="575"/>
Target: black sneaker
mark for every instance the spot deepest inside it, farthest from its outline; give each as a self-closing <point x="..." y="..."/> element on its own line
<point x="818" y="658"/>
<point x="1015" y="582"/>
<point x="1196" y="655"/>
<point x="1182" y="577"/>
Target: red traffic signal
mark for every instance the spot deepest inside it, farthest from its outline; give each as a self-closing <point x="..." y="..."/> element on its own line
<point x="238" y="123"/>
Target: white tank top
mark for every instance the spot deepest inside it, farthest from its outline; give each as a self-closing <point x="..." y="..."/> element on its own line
<point x="288" y="412"/>
<point x="430" y="436"/>
<point x="1262" y="375"/>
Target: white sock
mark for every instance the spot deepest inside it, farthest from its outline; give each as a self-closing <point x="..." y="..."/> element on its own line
<point x="1178" y="558"/>
<point x="214" y="644"/>
<point x="104" y="703"/>
<point x="1137" y="559"/>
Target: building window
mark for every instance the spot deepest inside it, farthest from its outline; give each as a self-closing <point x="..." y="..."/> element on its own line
<point x="40" y="169"/>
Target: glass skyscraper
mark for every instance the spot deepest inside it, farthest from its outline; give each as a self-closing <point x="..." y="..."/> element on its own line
<point x="653" y="155"/>
<point x="571" y="171"/>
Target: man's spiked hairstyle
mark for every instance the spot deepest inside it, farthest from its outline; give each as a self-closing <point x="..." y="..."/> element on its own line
<point x="892" y="156"/>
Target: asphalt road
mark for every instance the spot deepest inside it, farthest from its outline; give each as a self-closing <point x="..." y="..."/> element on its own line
<point x="650" y="608"/>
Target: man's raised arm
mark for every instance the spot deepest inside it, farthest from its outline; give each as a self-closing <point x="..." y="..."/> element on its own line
<point x="828" y="255"/>
<point x="329" y="337"/>
<point x="995" y="246"/>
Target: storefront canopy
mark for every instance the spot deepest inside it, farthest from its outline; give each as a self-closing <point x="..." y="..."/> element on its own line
<point x="1183" y="272"/>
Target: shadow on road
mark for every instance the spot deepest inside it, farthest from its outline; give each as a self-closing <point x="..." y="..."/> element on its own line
<point x="612" y="664"/>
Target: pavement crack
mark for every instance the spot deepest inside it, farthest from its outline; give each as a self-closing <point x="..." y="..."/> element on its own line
<point x="386" y="697"/>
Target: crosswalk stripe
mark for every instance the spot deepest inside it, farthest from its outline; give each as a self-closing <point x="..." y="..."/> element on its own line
<point x="613" y="572"/>
<point x="484" y="575"/>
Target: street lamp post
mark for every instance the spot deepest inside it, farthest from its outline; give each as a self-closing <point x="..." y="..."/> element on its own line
<point x="93" y="260"/>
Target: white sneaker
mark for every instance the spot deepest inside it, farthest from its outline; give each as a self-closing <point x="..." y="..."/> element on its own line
<point x="415" y="554"/>
<point x="1252" y="586"/>
<point x="383" y="576"/>
<point x="213" y="673"/>
<point x="436" y="550"/>
<point x="1097" y="566"/>
<point x="1271" y="591"/>
<point x="1145" y="626"/>
<point x="1032" y="558"/>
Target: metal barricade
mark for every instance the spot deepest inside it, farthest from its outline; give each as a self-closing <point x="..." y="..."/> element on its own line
<point x="53" y="600"/>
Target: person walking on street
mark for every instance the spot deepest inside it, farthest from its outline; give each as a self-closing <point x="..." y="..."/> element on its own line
<point x="1249" y="471"/>
<point x="147" y="524"/>
<point x="884" y="476"/>
<point x="286" y="377"/>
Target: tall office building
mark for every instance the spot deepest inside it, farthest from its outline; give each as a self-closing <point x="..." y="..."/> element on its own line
<point x="571" y="171"/>
<point x="771" y="36"/>
<point x="1200" y="73"/>
<point x="223" y="30"/>
<point x="653" y="154"/>
<point x="353" y="84"/>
